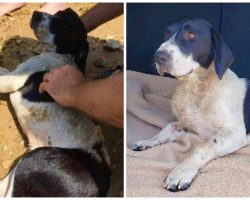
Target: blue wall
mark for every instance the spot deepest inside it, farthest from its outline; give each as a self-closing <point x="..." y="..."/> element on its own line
<point x="147" y="21"/>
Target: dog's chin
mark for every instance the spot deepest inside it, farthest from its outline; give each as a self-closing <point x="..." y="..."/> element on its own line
<point x="161" y="71"/>
<point x="38" y="36"/>
<point x="182" y="75"/>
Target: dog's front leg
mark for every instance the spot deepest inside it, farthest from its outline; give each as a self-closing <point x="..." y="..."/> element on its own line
<point x="221" y="144"/>
<point x="11" y="82"/>
<point x="168" y="134"/>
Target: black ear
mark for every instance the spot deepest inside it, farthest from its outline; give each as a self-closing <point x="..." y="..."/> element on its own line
<point x="223" y="57"/>
<point x="67" y="11"/>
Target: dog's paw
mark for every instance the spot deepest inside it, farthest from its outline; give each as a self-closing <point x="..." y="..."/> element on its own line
<point x="3" y="71"/>
<point x="141" y="145"/>
<point x="179" y="178"/>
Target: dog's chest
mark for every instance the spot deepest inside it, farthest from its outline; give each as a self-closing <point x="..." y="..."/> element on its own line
<point x="194" y="112"/>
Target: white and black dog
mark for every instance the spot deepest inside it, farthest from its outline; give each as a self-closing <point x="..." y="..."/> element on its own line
<point x="210" y="99"/>
<point x="67" y="156"/>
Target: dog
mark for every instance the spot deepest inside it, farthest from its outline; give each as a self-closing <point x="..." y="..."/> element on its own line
<point x="67" y="155"/>
<point x="210" y="100"/>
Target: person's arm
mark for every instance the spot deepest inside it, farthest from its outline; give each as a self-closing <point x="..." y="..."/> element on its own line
<point x="101" y="99"/>
<point x="101" y="13"/>
<point x="6" y="8"/>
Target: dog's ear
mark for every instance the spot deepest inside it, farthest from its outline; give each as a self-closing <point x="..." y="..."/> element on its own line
<point x="223" y="56"/>
<point x="65" y="13"/>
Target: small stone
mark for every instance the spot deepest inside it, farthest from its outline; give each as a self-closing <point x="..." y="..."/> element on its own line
<point x="112" y="45"/>
<point x="5" y="148"/>
<point x="11" y="18"/>
<point x="25" y="11"/>
<point x="18" y="41"/>
<point x="99" y="62"/>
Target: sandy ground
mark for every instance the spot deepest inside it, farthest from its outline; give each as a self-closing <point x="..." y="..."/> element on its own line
<point x="17" y="43"/>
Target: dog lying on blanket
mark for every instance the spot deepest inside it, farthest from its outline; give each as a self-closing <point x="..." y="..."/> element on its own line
<point x="210" y="99"/>
<point x="67" y="156"/>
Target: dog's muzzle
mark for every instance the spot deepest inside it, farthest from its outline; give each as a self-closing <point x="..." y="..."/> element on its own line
<point x="35" y="20"/>
<point x="163" y="60"/>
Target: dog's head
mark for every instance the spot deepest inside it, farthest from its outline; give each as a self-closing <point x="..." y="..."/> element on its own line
<point x="189" y="44"/>
<point x="64" y="32"/>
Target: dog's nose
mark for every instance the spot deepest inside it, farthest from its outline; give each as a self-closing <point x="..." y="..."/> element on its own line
<point x="162" y="57"/>
<point x="36" y="19"/>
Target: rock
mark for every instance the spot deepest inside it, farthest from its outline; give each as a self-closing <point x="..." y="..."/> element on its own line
<point x="99" y="62"/>
<point x="18" y="41"/>
<point x="112" y="45"/>
<point x="36" y="49"/>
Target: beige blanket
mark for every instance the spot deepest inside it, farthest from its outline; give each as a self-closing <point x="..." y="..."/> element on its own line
<point x="148" y="110"/>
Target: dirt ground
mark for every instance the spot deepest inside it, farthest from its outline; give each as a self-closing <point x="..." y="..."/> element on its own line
<point x="17" y="43"/>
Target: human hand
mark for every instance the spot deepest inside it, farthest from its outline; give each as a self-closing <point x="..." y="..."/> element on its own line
<point x="62" y="84"/>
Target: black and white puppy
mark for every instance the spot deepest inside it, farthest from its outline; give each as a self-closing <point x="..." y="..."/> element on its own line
<point x="67" y="156"/>
<point x="210" y="99"/>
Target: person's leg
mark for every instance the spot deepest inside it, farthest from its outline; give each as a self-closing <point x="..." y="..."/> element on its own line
<point x="52" y="8"/>
<point x="6" y="8"/>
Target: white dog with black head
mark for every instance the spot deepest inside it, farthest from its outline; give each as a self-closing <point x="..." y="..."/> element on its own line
<point x="67" y="154"/>
<point x="210" y="99"/>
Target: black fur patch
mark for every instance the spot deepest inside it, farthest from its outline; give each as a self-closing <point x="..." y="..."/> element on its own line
<point x="58" y="172"/>
<point x="31" y="89"/>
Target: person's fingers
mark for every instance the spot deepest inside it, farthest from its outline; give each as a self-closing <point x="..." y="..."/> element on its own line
<point x="46" y="77"/>
<point x="43" y="87"/>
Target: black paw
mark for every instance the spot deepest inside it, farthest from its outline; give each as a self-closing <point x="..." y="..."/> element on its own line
<point x="184" y="186"/>
<point x="136" y="147"/>
<point x="174" y="188"/>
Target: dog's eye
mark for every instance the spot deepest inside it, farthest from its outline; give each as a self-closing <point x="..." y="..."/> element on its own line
<point x="191" y="36"/>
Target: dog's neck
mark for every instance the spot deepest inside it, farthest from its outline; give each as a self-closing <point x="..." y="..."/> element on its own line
<point x="203" y="79"/>
<point x="51" y="48"/>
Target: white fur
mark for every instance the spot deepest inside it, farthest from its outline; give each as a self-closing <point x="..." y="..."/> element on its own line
<point x="219" y="118"/>
<point x="6" y="184"/>
<point x="168" y="134"/>
<point x="181" y="64"/>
